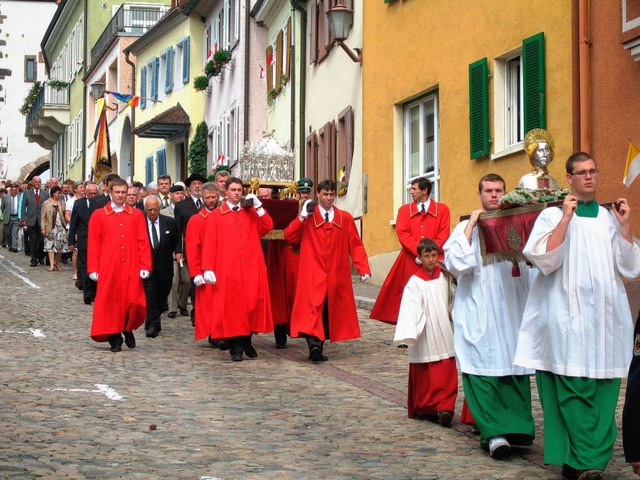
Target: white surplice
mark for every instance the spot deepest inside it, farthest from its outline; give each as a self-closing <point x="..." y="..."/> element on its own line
<point x="423" y="321"/>
<point x="577" y="320"/>
<point x="488" y="307"/>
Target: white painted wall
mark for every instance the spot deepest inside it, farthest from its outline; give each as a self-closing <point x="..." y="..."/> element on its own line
<point x="21" y="38"/>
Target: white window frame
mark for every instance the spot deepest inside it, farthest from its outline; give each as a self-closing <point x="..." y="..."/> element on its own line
<point x="225" y="25"/>
<point x="434" y="175"/>
<point x="508" y="104"/>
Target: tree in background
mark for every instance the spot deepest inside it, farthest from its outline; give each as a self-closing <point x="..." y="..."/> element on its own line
<point x="198" y="151"/>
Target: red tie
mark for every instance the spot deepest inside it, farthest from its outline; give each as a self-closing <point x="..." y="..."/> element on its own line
<point x="37" y="197"/>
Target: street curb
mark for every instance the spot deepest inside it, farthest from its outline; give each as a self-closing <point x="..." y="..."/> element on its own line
<point x="365" y="303"/>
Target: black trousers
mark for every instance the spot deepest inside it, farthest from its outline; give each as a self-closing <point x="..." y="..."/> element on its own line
<point x="156" y="290"/>
<point x="36" y="243"/>
<point x="88" y="285"/>
<point x="237" y="344"/>
<point x="315" y="341"/>
<point x="631" y="411"/>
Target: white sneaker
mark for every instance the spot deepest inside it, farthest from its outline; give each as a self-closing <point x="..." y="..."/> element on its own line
<point x="498" y="447"/>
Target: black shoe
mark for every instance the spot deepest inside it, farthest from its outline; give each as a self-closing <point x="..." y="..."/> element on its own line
<point x="87" y="300"/>
<point x="315" y="355"/>
<point x="33" y="264"/>
<point x="569" y="472"/>
<point x="14" y="250"/>
<point x="213" y="342"/>
<point x="184" y="312"/>
<point x="152" y="332"/>
<point x="115" y="341"/>
<point x="129" y="339"/>
<point x="444" y="418"/>
<point x="172" y="314"/>
<point x="223" y="345"/>
<point x="116" y="348"/>
<point x="250" y="351"/>
<point x="236" y="357"/>
<point x="281" y="346"/>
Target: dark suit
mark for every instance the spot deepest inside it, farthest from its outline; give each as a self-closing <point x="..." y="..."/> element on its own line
<point x="78" y="234"/>
<point x="158" y="285"/>
<point x="10" y="223"/>
<point x="31" y="215"/>
<point x="99" y="201"/>
<point x="631" y="411"/>
<point x="183" y="211"/>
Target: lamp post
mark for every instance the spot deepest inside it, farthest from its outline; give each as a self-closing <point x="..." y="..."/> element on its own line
<point x="340" y="19"/>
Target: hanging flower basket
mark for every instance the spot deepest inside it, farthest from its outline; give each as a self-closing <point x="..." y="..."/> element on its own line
<point x="201" y="83"/>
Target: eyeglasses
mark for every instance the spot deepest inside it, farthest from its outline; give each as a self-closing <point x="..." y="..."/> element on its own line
<point x="583" y="173"/>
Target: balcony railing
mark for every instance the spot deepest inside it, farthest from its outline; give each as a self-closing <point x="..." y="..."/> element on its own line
<point x="128" y="20"/>
<point x="48" y="96"/>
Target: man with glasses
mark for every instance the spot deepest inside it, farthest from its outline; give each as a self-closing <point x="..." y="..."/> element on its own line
<point x="577" y="325"/>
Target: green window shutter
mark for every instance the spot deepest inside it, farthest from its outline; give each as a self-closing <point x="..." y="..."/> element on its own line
<point x="534" y="90"/>
<point x="479" y="108"/>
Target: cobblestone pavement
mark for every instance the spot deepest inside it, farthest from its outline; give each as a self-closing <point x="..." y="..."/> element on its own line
<point x="69" y="408"/>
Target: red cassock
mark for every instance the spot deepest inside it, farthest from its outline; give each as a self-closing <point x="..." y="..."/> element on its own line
<point x="240" y="297"/>
<point x="194" y="240"/>
<point x="411" y="227"/>
<point x="118" y="249"/>
<point x="325" y="273"/>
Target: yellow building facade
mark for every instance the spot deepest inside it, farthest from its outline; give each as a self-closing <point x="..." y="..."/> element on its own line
<point x="436" y="72"/>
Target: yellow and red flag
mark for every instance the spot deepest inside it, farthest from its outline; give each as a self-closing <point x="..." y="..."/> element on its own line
<point x="101" y="162"/>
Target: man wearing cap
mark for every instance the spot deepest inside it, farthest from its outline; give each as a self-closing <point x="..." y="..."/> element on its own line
<point x="422" y="218"/>
<point x="183" y="211"/>
<point x="324" y="305"/>
<point x="303" y="188"/>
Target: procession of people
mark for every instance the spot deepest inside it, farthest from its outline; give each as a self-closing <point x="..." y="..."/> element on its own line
<point x="559" y="315"/>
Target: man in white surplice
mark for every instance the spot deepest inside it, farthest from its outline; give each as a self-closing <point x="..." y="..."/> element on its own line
<point x="487" y="314"/>
<point x="577" y="326"/>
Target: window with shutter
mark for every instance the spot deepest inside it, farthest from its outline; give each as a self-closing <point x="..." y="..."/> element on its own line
<point x="156" y="77"/>
<point x="278" y="84"/>
<point x="148" y="170"/>
<point x="168" y="76"/>
<point x="534" y="88"/>
<point x="186" y="59"/>
<point x="313" y="33"/>
<point x="268" y="67"/>
<point x="321" y="32"/>
<point x="311" y="158"/>
<point x="225" y="25"/>
<point x="143" y="87"/>
<point x="479" y="108"/>
<point x="344" y="142"/>
<point x="161" y="158"/>
<point x="332" y="171"/>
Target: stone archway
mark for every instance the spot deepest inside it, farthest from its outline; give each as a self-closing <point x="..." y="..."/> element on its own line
<point x="35" y="168"/>
<point x="124" y="156"/>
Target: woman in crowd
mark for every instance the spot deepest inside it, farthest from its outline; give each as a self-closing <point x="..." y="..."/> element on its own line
<point x="54" y="228"/>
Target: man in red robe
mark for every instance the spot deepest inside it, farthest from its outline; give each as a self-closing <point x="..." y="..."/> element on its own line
<point x="324" y="305"/>
<point x="119" y="258"/>
<point x="422" y="218"/>
<point x="194" y="241"/>
<point x="232" y="260"/>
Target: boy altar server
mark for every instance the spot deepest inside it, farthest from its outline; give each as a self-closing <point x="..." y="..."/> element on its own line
<point x="424" y="325"/>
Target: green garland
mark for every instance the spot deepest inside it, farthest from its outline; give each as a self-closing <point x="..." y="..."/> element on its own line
<point x="524" y="196"/>
<point x="31" y="97"/>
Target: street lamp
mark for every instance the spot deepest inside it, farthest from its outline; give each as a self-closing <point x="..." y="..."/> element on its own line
<point x="340" y="19"/>
<point x="97" y="90"/>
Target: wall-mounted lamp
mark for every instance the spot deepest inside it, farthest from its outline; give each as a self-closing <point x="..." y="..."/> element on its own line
<point x="340" y="19"/>
<point x="97" y="90"/>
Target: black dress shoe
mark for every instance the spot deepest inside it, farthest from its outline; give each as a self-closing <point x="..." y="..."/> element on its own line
<point x="129" y="339"/>
<point x="281" y="346"/>
<point x="315" y="355"/>
<point x="172" y="314"/>
<point x="236" y="357"/>
<point x="87" y="300"/>
<point x="152" y="332"/>
<point x="78" y="284"/>
<point x="223" y="345"/>
<point x="116" y="348"/>
<point x="250" y="351"/>
<point x="213" y="342"/>
<point x="33" y="264"/>
<point x="184" y="312"/>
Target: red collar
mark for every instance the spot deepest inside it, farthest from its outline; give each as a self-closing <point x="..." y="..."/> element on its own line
<point x="318" y="219"/>
<point x="431" y="210"/>
<point x="109" y="210"/>
<point x="424" y="275"/>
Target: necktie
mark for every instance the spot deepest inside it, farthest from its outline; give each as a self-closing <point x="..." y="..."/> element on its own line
<point x="198" y="204"/>
<point x="236" y="208"/>
<point x="37" y="192"/>
<point x="154" y="235"/>
<point x="423" y="209"/>
<point x="165" y="202"/>
<point x="326" y="216"/>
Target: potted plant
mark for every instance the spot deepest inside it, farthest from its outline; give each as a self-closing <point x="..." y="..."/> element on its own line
<point x="201" y="83"/>
<point x="31" y="97"/>
<point x="57" y="84"/>
<point x="211" y="69"/>
<point x="222" y="57"/>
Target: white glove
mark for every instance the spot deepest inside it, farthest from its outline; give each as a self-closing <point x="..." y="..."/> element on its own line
<point x="144" y="274"/>
<point x="256" y="201"/>
<point x="304" y="213"/>
<point x="94" y="276"/>
<point x="209" y="277"/>
<point x="365" y="277"/>
<point x="198" y="280"/>
<point x="418" y="261"/>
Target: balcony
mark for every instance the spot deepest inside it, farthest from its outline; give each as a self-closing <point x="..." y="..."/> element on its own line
<point x="48" y="116"/>
<point x="129" y="20"/>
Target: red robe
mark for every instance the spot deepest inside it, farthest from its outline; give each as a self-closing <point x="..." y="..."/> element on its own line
<point x="325" y="250"/>
<point x="411" y="227"/>
<point x="240" y="301"/>
<point x="118" y="248"/>
<point x="194" y="240"/>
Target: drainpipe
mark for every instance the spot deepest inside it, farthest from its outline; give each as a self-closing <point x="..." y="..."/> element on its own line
<point x="247" y="51"/>
<point x="299" y="6"/>
<point x="84" y="93"/>
<point x="575" y="76"/>
<point x="585" y="73"/>
<point x="133" y="113"/>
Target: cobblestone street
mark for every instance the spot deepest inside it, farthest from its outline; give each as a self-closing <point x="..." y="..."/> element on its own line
<point x="174" y="408"/>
